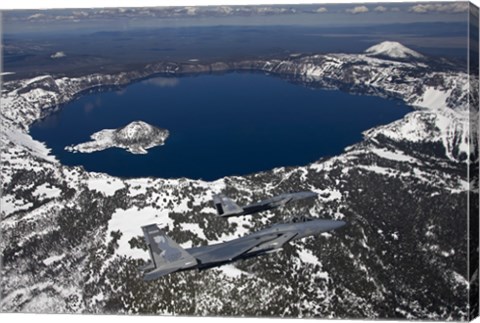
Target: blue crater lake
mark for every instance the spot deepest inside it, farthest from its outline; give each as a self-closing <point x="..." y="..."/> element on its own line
<point x="231" y="124"/>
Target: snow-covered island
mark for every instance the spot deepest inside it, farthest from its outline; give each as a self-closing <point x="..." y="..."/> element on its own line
<point x="136" y="137"/>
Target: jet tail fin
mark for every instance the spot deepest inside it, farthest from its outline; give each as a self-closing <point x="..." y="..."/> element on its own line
<point x="166" y="255"/>
<point x="225" y="206"/>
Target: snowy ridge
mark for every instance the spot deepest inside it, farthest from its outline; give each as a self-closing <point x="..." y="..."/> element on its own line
<point x="441" y="98"/>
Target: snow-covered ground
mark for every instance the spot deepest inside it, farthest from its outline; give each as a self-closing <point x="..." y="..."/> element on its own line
<point x="129" y="223"/>
<point x="41" y="195"/>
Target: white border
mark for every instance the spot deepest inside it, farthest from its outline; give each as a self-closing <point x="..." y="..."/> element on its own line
<point x="46" y="4"/>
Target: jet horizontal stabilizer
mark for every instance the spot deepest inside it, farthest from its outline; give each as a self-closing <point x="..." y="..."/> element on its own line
<point x="147" y="267"/>
<point x="157" y="273"/>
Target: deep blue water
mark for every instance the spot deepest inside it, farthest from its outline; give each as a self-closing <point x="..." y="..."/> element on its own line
<point x="232" y="124"/>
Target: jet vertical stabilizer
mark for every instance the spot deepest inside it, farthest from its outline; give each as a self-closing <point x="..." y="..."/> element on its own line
<point x="225" y="206"/>
<point x="166" y="255"/>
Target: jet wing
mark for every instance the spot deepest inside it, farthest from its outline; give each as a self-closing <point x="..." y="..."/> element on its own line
<point x="231" y="250"/>
<point x="282" y="201"/>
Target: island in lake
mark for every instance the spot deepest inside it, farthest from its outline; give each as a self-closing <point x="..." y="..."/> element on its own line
<point x="136" y="137"/>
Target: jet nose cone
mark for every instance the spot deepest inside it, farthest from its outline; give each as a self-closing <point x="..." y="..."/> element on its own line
<point x="309" y="194"/>
<point x="339" y="224"/>
<point x="331" y="225"/>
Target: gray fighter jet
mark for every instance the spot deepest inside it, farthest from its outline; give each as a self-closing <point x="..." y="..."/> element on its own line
<point x="227" y="208"/>
<point x="168" y="257"/>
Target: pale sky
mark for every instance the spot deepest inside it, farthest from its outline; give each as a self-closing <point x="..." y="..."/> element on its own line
<point x="78" y="20"/>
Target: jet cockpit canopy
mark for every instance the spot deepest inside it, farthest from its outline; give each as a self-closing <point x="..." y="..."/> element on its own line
<point x="301" y="218"/>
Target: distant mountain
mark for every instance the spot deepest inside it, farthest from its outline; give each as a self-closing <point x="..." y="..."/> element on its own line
<point x="392" y="49"/>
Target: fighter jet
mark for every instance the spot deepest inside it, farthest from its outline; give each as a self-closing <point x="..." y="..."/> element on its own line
<point x="227" y="208"/>
<point x="168" y="257"/>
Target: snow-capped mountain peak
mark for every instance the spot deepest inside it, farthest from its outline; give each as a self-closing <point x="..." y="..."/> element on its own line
<point x="392" y="49"/>
<point x="135" y="130"/>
